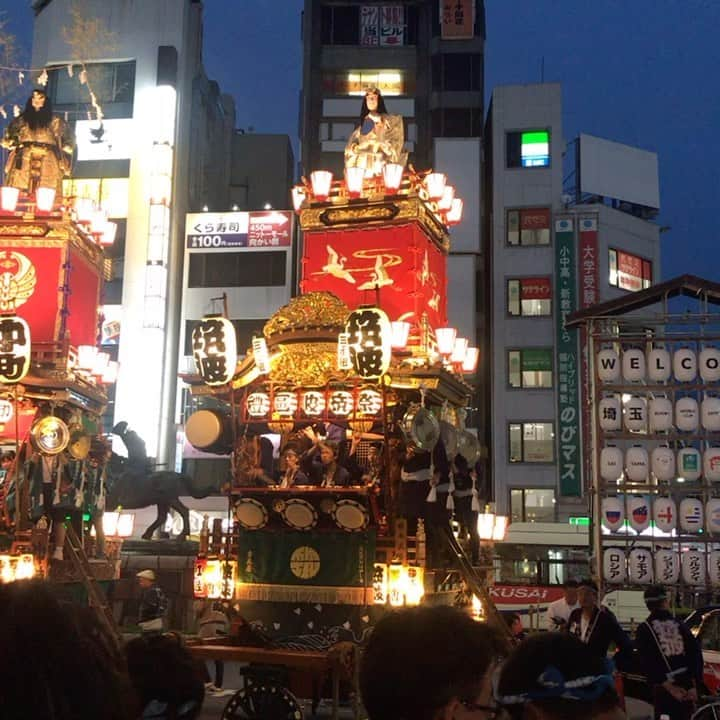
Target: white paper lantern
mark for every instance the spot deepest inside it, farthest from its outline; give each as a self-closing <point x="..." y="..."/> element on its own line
<point x="636" y="414"/>
<point x="693" y="567"/>
<point x="608" y="366"/>
<point x="640" y="566"/>
<point x="689" y="464"/>
<point x="638" y="512"/>
<point x="714" y="567"/>
<point x="711" y="464"/>
<point x="709" y="362"/>
<point x="611" y="463"/>
<point x="712" y="516"/>
<point x="614" y="568"/>
<point x="665" y="514"/>
<point x="667" y="566"/>
<point x="214" y="346"/>
<point x="691" y="515"/>
<point x="710" y="413"/>
<point x="369" y="335"/>
<point x="684" y="365"/>
<point x="613" y="513"/>
<point x="687" y="414"/>
<point x="659" y="365"/>
<point x="15" y="339"/>
<point x="660" y="414"/>
<point x="662" y="463"/>
<point x="633" y="365"/>
<point x="637" y="465"/>
<point x="610" y="414"/>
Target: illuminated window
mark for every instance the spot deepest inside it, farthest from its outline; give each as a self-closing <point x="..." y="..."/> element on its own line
<point x="531" y="442"/>
<point x="110" y="193"/>
<point x="629" y="272"/>
<point x="528" y="226"/>
<point x="237" y="269"/>
<point x="532" y="505"/>
<point x="530" y="368"/>
<point x="530" y="296"/>
<point x="528" y="148"/>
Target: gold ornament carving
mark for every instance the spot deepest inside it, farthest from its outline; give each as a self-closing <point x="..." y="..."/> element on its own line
<point x="306" y="365"/>
<point x="318" y="310"/>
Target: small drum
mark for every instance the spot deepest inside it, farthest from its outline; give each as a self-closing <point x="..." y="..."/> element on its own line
<point x="350" y="515"/>
<point x="420" y="427"/>
<point x="79" y="443"/>
<point x="449" y="436"/>
<point x="210" y="431"/>
<point x="299" y="514"/>
<point x="251" y="513"/>
<point x="50" y="435"/>
<point x="469" y="447"/>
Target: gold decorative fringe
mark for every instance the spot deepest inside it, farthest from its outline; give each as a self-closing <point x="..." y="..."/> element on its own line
<point x="325" y="595"/>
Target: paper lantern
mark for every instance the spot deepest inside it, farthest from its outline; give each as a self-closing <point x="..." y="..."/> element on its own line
<point x="257" y="404"/>
<point x="710" y="413"/>
<point x="693" y="567"/>
<point x="8" y="198"/>
<point x="691" y="515"/>
<point x="15" y="345"/>
<point x="638" y="512"/>
<point x="711" y="464"/>
<point x="665" y="514"/>
<point x="636" y="414"/>
<point x="354" y="177"/>
<point x="608" y="366"/>
<point x="689" y="464"/>
<point x="341" y="403"/>
<point x="714" y="567"/>
<point x="640" y="566"/>
<point x="610" y="415"/>
<point x="637" y="465"/>
<point x="369" y="337"/>
<point x="321" y="181"/>
<point x="660" y="414"/>
<point x="613" y="513"/>
<point x="285" y="404"/>
<point x="392" y="176"/>
<point x="614" y="569"/>
<point x="684" y="365"/>
<point x="712" y="516"/>
<point x="633" y="365"/>
<point x="687" y="414"/>
<point x="659" y="365"/>
<point x="667" y="566"/>
<point x="369" y="402"/>
<point x="312" y="403"/>
<point x="611" y="463"/>
<point x="662" y="463"/>
<point x="435" y="185"/>
<point x="261" y="356"/>
<point x="214" y="347"/>
<point x="709" y="362"/>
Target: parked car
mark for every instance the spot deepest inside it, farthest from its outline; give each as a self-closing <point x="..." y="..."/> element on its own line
<point x="705" y="625"/>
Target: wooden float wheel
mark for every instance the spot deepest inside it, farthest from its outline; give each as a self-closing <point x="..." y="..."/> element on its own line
<point x="263" y="701"/>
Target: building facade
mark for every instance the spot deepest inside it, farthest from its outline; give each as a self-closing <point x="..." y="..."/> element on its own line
<point x="548" y="253"/>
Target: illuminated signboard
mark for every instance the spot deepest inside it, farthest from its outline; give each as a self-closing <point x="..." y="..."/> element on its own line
<point x="104" y="140"/>
<point x="261" y="229"/>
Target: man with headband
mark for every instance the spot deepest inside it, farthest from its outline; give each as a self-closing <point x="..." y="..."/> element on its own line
<point x="670" y="656"/>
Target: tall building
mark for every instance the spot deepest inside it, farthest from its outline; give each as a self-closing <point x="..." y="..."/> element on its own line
<point x="550" y="252"/>
<point x="160" y="149"/>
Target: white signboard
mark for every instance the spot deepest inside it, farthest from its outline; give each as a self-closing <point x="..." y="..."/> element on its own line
<point x="105" y="139"/>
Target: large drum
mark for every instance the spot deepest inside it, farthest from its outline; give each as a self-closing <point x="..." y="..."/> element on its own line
<point x="210" y="431"/>
<point x="421" y="427"/>
<point x="49" y="435"/>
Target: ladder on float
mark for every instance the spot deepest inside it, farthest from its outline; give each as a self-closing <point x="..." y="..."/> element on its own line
<point x="96" y="596"/>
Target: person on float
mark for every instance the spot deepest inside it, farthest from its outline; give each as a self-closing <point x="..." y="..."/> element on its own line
<point x="293" y="475"/>
<point x="558" y="612"/>
<point x="320" y="463"/>
<point x="597" y="627"/>
<point x="379" y="139"/>
<point x="671" y="658"/>
<point x="463" y="494"/>
<point x="554" y="676"/>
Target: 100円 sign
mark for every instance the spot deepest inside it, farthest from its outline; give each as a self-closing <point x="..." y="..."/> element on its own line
<point x="214" y="347"/>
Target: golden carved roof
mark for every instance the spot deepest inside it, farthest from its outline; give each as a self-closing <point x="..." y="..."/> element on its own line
<point x="320" y="312"/>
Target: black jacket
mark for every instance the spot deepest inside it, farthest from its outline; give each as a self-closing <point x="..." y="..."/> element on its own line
<point x="602" y="630"/>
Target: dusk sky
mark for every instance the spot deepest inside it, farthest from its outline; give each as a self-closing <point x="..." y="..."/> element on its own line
<point x="642" y="72"/>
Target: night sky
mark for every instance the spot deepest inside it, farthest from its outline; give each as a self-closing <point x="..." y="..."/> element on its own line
<point x="641" y="72"/>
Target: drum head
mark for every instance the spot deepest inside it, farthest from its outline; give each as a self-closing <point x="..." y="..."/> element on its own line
<point x="350" y="515"/>
<point x="80" y="442"/>
<point x="50" y="435"/>
<point x="299" y="514"/>
<point x="449" y="436"/>
<point x="203" y="429"/>
<point x="251" y="513"/>
<point x="421" y="427"/>
<point x="468" y="446"/>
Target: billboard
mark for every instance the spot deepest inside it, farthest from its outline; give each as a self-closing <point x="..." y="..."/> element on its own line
<point x="104" y="140"/>
<point x="619" y="171"/>
<point x="258" y="229"/>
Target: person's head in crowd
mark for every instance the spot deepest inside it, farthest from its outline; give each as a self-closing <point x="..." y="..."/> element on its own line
<point x="656" y="598"/>
<point x="56" y="660"/>
<point x="291" y="458"/>
<point x="374" y="452"/>
<point x="571" y="591"/>
<point x="514" y="623"/>
<point x="167" y="681"/>
<point x="587" y="593"/>
<point x="146" y="578"/>
<point x="328" y="452"/>
<point x="7" y="459"/>
<point x="429" y="663"/>
<point x="554" y="676"/>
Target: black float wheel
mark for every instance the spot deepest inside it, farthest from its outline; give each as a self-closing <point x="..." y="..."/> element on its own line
<point x="263" y="701"/>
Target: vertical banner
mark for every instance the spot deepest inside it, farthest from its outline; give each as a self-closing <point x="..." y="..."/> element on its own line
<point x="392" y="25"/>
<point x="369" y="16"/>
<point x="589" y="295"/>
<point x="457" y="19"/>
<point x="569" y="465"/>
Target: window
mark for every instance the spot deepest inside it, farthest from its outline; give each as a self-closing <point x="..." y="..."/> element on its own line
<point x="457" y="71"/>
<point x="530" y="296"/>
<point x="531" y="442"/>
<point x="244" y="331"/>
<point x="110" y="193"/>
<point x="456" y="122"/>
<point x="390" y="82"/>
<point x="527" y="148"/>
<point x="340" y="25"/>
<point x="237" y="269"/>
<point x="528" y="226"/>
<point x="532" y="505"/>
<point x="390" y="25"/>
<point x="629" y="272"/>
<point x="530" y="368"/>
